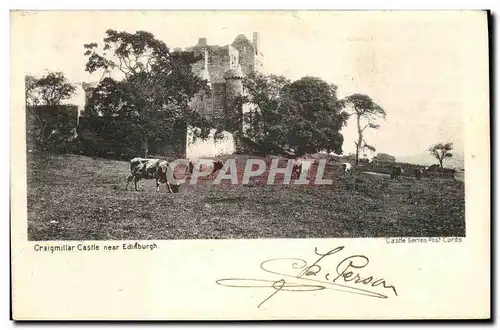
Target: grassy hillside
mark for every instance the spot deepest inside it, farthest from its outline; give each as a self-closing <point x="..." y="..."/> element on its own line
<point x="79" y="198"/>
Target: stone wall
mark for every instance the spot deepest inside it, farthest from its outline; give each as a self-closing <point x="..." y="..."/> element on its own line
<point x="246" y="54"/>
<point x="197" y="148"/>
<point x="242" y="53"/>
<point x="218" y="62"/>
<point x="219" y="97"/>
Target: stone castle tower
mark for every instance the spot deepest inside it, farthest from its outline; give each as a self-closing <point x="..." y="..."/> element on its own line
<point x="224" y="68"/>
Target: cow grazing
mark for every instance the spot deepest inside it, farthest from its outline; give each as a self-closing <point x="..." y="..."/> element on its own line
<point x="145" y="168"/>
<point x="396" y="173"/>
<point x="217" y="165"/>
<point x="299" y="165"/>
<point x="347" y="169"/>
<point x="418" y="173"/>
<point x="434" y="168"/>
<point x="296" y="167"/>
<point x="437" y="170"/>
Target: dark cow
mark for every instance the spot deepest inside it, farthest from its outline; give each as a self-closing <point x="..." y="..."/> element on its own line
<point x="418" y="173"/>
<point x="145" y="168"/>
<point x="396" y="173"/>
<point x="434" y="168"/>
<point x="437" y="170"/>
<point x="217" y="165"/>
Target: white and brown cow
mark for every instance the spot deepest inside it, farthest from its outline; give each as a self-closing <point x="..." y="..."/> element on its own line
<point x="299" y="165"/>
<point x="347" y="169"/>
<point x="147" y="168"/>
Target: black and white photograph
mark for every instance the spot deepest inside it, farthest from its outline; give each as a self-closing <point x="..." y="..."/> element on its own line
<point x="250" y="165"/>
<point x="378" y="112"/>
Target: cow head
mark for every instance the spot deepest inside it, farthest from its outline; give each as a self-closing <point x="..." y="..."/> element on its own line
<point x="218" y="165"/>
<point x="175" y="187"/>
<point x="176" y="184"/>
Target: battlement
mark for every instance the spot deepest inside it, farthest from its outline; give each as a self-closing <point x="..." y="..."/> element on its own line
<point x="241" y="52"/>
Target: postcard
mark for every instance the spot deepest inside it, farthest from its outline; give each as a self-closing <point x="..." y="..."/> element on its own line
<point x="250" y="165"/>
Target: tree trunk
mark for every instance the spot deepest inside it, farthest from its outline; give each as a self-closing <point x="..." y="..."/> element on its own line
<point x="360" y="138"/>
<point x="145" y="147"/>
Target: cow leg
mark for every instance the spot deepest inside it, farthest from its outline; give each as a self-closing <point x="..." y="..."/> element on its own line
<point x="169" y="187"/>
<point x="157" y="185"/>
<point x="129" y="179"/>
<point x="135" y="183"/>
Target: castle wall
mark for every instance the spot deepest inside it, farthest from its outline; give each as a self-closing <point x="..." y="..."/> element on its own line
<point x="218" y="62"/>
<point x="198" y="67"/>
<point x="242" y="53"/>
<point x="247" y="62"/>
<point x="246" y="53"/>
<point x="202" y="104"/>
<point x="208" y="148"/>
<point x="234" y="88"/>
<point x="219" y="97"/>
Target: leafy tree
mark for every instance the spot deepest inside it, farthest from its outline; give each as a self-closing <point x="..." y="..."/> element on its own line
<point x="51" y="125"/>
<point x="50" y="89"/>
<point x="441" y="151"/>
<point x="304" y="115"/>
<point x="366" y="112"/>
<point x="265" y="94"/>
<point x="152" y="95"/>
<point x="30" y="93"/>
<point x="315" y="116"/>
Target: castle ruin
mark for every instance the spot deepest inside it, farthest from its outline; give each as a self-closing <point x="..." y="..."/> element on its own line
<point x="224" y="67"/>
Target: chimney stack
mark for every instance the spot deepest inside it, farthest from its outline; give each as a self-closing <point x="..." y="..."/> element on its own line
<point x="256" y="42"/>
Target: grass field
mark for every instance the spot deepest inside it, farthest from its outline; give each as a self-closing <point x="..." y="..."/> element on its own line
<point x="80" y="198"/>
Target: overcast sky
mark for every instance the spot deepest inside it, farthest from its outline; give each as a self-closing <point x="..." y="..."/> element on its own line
<point x="412" y="64"/>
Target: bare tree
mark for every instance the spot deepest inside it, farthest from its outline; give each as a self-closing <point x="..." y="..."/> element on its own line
<point x="441" y="151"/>
<point x="366" y="112"/>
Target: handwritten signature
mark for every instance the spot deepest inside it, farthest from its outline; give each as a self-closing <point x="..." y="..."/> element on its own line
<point x="345" y="273"/>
